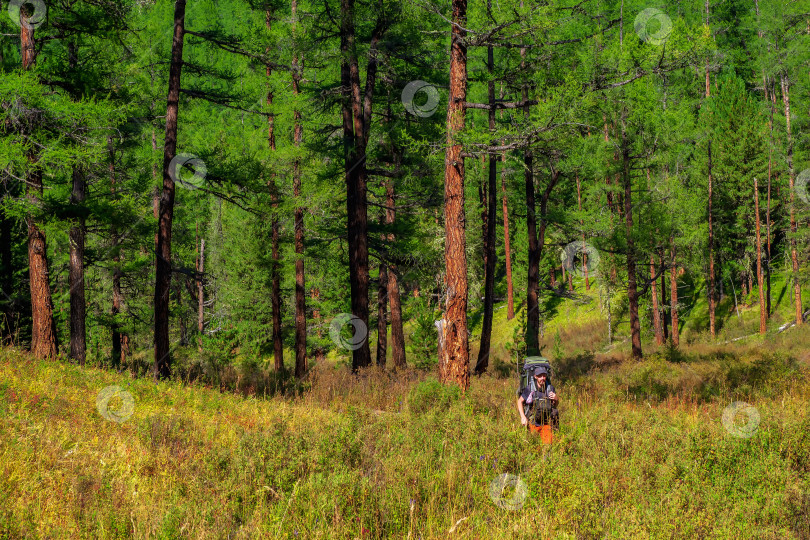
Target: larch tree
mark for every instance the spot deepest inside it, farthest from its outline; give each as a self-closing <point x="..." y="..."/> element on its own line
<point x="163" y="264"/>
<point x="43" y="333"/>
<point x="454" y="364"/>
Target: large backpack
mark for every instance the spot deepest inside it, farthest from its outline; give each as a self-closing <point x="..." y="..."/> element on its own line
<point x="527" y="378"/>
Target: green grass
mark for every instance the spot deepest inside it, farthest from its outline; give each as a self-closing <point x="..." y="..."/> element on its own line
<point x="641" y="453"/>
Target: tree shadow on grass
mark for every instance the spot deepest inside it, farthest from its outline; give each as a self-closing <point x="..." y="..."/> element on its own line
<point x="575" y="367"/>
<point x="723" y="374"/>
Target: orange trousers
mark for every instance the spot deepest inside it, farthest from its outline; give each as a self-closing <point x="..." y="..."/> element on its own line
<point x="545" y="433"/>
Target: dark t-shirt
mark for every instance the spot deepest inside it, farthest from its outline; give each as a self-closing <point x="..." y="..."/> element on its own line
<point x="540" y="394"/>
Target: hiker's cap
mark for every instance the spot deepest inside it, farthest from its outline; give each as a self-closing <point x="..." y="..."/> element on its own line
<point x="540" y="370"/>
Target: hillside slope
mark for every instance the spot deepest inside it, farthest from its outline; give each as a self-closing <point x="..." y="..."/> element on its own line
<point x="642" y="453"/>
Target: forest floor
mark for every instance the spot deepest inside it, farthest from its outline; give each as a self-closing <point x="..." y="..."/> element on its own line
<point x="643" y="452"/>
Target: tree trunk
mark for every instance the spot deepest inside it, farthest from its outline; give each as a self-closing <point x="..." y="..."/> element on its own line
<point x="201" y="291"/>
<point x="397" y="332"/>
<point x="534" y="246"/>
<point x="673" y="289"/>
<point x="78" y="334"/>
<point x="455" y="364"/>
<point x="482" y="205"/>
<point x="178" y="291"/>
<point x="771" y="104"/>
<point x="76" y="236"/>
<point x="43" y="332"/>
<point x="582" y="225"/>
<point x="712" y="295"/>
<point x="162" y="367"/>
<point x="794" y="257"/>
<point x="763" y="318"/>
<point x="119" y="350"/>
<point x="659" y="333"/>
<point x="768" y="247"/>
<point x="510" y="302"/>
<point x="491" y="252"/>
<point x="382" y="324"/>
<point x="664" y="329"/>
<point x="300" y="285"/>
<point x="533" y="280"/>
<point x="275" y="290"/>
<point x="632" y="292"/>
<point x="355" y="172"/>
<point x="609" y="313"/>
<point x="536" y="243"/>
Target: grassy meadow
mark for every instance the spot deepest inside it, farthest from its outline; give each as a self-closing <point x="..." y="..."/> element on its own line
<point x="642" y="453"/>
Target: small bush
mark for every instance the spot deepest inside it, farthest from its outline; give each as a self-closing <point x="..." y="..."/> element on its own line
<point x="431" y="394"/>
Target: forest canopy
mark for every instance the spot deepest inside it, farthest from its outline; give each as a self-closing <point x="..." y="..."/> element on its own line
<point x="190" y="185"/>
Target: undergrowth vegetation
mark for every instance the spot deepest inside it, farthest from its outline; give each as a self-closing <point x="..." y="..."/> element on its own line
<point x="642" y="453"/>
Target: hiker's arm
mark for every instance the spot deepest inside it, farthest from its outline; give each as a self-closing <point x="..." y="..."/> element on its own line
<point x="523" y="419"/>
<point x="554" y="397"/>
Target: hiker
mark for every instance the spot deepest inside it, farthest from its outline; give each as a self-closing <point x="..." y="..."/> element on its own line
<point x="545" y="396"/>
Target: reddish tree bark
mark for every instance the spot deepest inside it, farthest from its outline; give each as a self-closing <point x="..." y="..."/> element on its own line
<point x="43" y="331"/>
<point x="454" y="364"/>
<point x="382" y="323"/>
<point x="162" y="367"/>
<point x="397" y="332"/>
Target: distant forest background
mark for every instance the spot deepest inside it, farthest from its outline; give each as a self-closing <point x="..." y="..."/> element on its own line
<point x="187" y="187"/>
